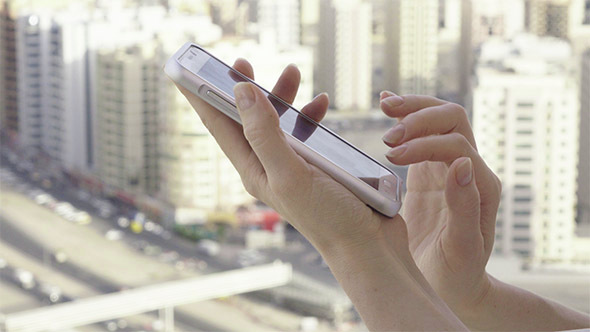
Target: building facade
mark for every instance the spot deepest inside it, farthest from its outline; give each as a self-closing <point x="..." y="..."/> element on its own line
<point x="583" y="213"/>
<point x="411" y="33"/>
<point x="8" y="71"/>
<point x="129" y="103"/>
<point x="344" y="61"/>
<point x="279" y="23"/>
<point x="525" y="119"/>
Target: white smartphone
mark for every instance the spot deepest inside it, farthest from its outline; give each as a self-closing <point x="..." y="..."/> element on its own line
<point x="213" y="81"/>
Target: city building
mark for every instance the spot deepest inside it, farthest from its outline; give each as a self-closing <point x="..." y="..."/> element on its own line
<point x="344" y="59"/>
<point x="65" y="93"/>
<point x="449" y="64"/>
<point x="525" y="120"/>
<point x="31" y="41"/>
<point x="310" y="18"/>
<point x="52" y="88"/>
<point x="411" y="33"/>
<point x="129" y="103"/>
<point x="583" y="213"/>
<point x="8" y="71"/>
<point x="547" y="17"/>
<point x="278" y="23"/>
<point x="502" y="18"/>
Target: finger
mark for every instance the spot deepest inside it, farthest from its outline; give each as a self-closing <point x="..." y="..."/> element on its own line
<point x="447" y="148"/>
<point x="288" y="84"/>
<point x="435" y="120"/>
<point x="399" y="106"/>
<point x="444" y="148"/>
<point x="462" y="197"/>
<point x="317" y="108"/>
<point x="261" y="128"/>
<point x="244" y="67"/>
<point x="230" y="137"/>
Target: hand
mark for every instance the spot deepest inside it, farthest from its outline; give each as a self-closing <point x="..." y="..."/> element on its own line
<point x="364" y="249"/>
<point x="452" y="196"/>
<point x="328" y="214"/>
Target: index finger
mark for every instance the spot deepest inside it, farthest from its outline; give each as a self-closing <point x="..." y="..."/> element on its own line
<point x="396" y="108"/>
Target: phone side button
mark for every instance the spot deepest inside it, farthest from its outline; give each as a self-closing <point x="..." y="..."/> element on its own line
<point x="217" y="98"/>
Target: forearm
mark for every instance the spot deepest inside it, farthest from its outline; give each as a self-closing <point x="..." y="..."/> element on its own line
<point x="386" y="291"/>
<point x="509" y="308"/>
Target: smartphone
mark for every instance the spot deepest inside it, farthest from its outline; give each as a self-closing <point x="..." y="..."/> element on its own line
<point x="213" y="81"/>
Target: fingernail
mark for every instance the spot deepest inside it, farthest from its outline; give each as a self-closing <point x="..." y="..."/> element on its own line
<point x="395" y="134"/>
<point x="397" y="151"/>
<point x="393" y="101"/>
<point x="464" y="172"/>
<point x="244" y="95"/>
<point x="385" y="94"/>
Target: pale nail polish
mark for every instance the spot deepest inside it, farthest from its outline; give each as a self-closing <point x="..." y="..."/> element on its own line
<point x="464" y="172"/>
<point x="393" y="101"/>
<point x="397" y="151"/>
<point x="395" y="134"/>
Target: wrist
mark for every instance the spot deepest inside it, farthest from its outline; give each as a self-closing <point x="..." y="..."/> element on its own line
<point x="473" y="313"/>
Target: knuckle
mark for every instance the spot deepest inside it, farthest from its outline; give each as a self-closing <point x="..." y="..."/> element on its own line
<point x="251" y="188"/>
<point x="256" y="134"/>
<point x="461" y="142"/>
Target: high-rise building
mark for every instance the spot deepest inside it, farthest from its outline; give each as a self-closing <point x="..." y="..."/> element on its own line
<point x="579" y="26"/>
<point x="525" y="119"/>
<point x="547" y="17"/>
<point x="31" y="41"/>
<point x="411" y="33"/>
<point x="583" y="213"/>
<point x="344" y="62"/>
<point x="278" y="23"/>
<point x="310" y="18"/>
<point x="52" y="89"/>
<point x="449" y="62"/>
<point x="65" y="103"/>
<point x="129" y="101"/>
<point x="503" y="18"/>
<point x="8" y="73"/>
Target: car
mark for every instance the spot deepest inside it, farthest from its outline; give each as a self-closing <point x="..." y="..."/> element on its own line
<point x="63" y="208"/>
<point x="208" y="247"/>
<point x="82" y="218"/>
<point x="149" y="226"/>
<point x="113" y="235"/>
<point x="123" y="222"/>
<point x="52" y="293"/>
<point x="44" y="199"/>
<point x="60" y="256"/>
<point x="24" y="278"/>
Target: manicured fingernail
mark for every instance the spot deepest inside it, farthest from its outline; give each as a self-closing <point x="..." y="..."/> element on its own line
<point x="245" y="97"/>
<point x="385" y="94"/>
<point x="464" y="172"/>
<point x="393" y="101"/>
<point x="397" y="151"/>
<point x="395" y="134"/>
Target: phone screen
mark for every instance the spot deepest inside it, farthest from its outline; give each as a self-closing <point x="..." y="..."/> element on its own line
<point x="293" y="122"/>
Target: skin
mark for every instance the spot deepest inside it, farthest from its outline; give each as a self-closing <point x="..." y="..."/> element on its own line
<point x="374" y="257"/>
<point x="451" y="218"/>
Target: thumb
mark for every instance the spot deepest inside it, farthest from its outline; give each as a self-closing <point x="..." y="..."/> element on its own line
<point x="462" y="196"/>
<point x="261" y="128"/>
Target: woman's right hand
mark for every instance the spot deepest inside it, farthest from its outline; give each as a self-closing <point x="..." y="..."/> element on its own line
<point x="452" y="196"/>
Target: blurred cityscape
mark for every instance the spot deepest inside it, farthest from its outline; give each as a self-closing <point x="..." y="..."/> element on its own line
<point x="110" y="183"/>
